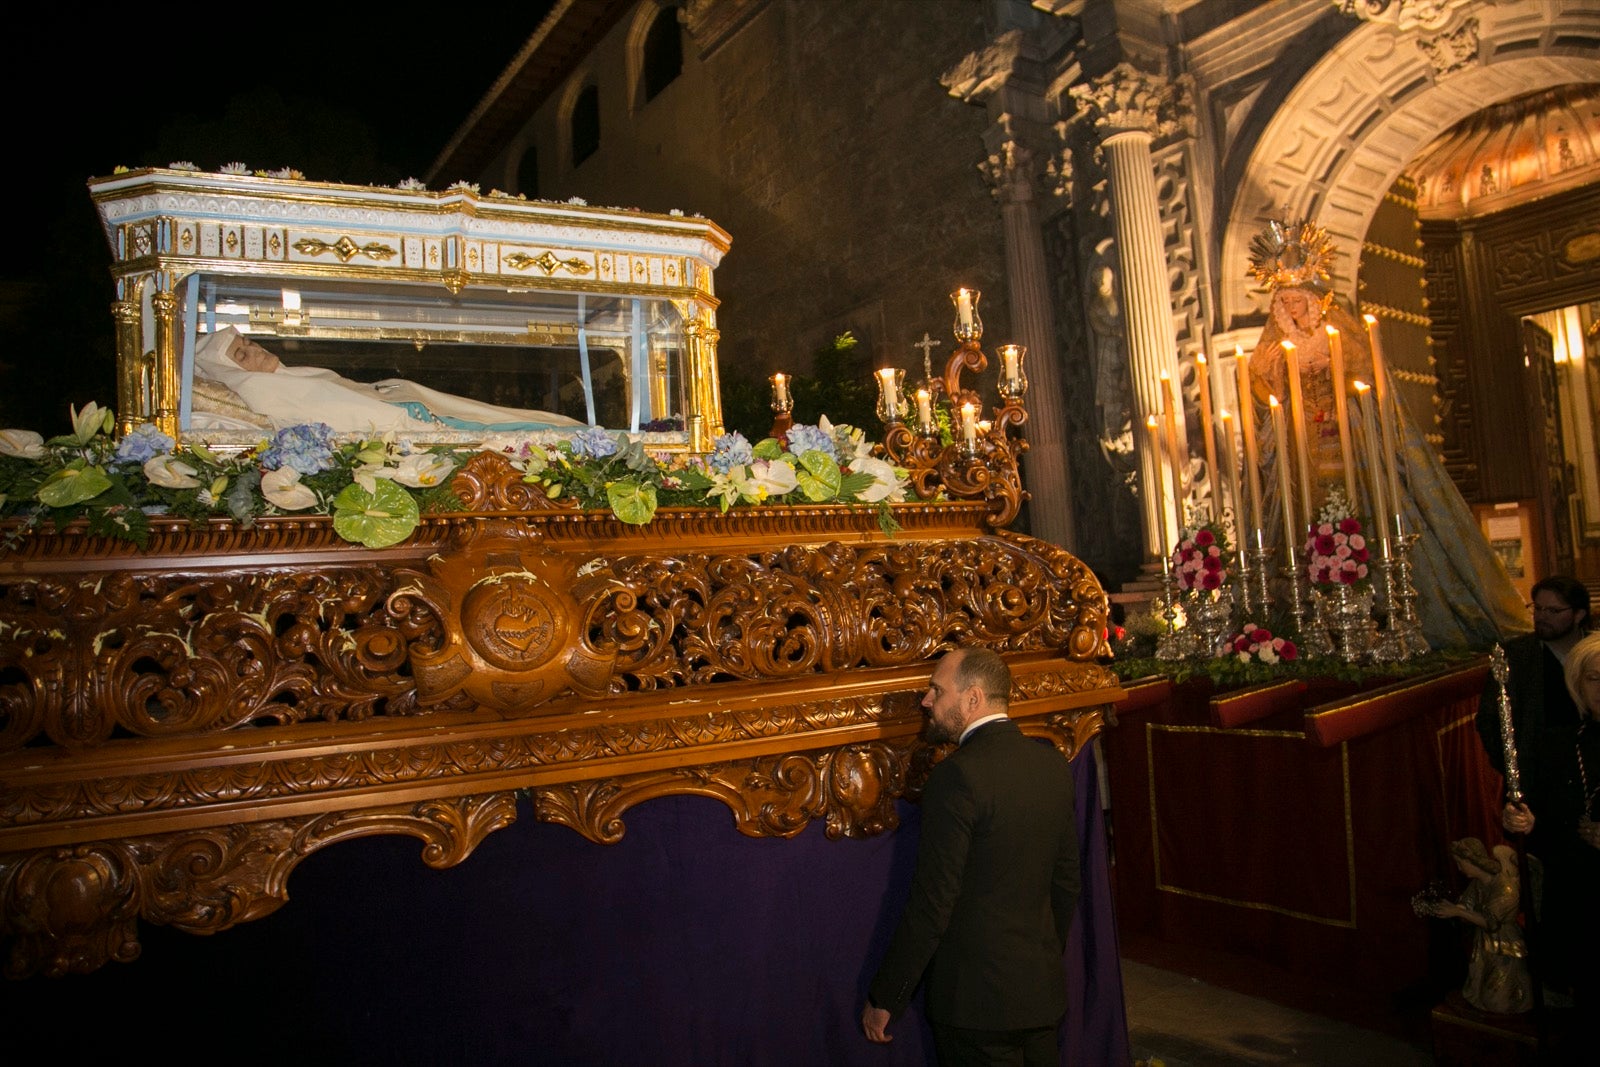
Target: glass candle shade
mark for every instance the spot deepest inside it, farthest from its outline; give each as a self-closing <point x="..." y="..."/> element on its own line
<point x="781" y="400"/>
<point x="1013" y="379"/>
<point x="891" y="386"/>
<point x="968" y="327"/>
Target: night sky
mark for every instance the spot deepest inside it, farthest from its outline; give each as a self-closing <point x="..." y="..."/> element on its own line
<point x="354" y="93"/>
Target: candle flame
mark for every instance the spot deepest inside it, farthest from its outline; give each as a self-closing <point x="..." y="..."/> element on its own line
<point x="1369" y="318"/>
<point x="1361" y="387"/>
<point x="1272" y="400"/>
<point x="1333" y="331"/>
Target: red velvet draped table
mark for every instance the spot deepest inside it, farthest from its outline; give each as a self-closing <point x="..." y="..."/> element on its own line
<point x="1293" y="822"/>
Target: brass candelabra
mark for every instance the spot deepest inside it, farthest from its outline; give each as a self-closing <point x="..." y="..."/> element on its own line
<point x="980" y="460"/>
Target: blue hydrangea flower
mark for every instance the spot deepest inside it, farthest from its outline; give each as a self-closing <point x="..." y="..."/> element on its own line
<point x="803" y="439"/>
<point x="145" y="442"/>
<point x="593" y="442"/>
<point x="731" y="450"/>
<point x="307" y="448"/>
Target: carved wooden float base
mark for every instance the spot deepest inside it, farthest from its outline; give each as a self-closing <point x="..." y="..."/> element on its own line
<point x="180" y="728"/>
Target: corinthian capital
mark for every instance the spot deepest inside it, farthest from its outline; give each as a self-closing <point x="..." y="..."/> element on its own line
<point x="1009" y="172"/>
<point x="1126" y="99"/>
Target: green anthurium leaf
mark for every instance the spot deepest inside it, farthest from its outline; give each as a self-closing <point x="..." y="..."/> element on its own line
<point x="819" y="476"/>
<point x="73" y="484"/>
<point x="632" y="501"/>
<point x="378" y="519"/>
<point x="767" y="448"/>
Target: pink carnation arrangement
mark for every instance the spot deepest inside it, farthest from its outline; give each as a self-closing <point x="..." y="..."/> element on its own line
<point x="1201" y="559"/>
<point x="1256" y="642"/>
<point x="1337" y="552"/>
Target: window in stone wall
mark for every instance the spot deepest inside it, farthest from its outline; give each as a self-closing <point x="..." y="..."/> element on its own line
<point x="528" y="173"/>
<point x="586" y="124"/>
<point x="663" y="53"/>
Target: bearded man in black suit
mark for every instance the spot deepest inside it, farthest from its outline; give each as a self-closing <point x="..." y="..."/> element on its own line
<point x="996" y="883"/>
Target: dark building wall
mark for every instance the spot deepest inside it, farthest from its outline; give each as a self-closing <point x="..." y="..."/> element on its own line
<point x="819" y="136"/>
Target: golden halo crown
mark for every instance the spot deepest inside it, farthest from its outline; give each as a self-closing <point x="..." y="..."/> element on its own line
<point x="1292" y="255"/>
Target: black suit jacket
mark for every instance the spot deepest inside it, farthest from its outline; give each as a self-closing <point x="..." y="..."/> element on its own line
<point x="995" y="889"/>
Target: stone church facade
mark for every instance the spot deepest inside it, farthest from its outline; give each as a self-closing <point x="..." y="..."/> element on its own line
<point x="1098" y="169"/>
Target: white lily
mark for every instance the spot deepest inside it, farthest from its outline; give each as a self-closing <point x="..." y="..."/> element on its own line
<point x="770" y="477"/>
<point x="169" y="472"/>
<point x="283" y="489"/>
<point x="91" y="420"/>
<point x="367" y="475"/>
<point x="24" y="444"/>
<point x="423" y="470"/>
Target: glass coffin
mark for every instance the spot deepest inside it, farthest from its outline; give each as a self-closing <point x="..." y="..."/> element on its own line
<point x="247" y="302"/>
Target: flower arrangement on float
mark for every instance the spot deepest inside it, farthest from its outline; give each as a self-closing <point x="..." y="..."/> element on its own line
<point x="1336" y="549"/>
<point x="1257" y="643"/>
<point x="376" y="489"/>
<point x="1203" y="559"/>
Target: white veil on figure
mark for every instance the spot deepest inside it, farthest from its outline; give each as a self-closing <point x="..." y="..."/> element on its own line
<point x="289" y="396"/>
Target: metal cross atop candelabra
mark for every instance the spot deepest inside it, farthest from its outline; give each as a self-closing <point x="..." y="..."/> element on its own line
<point x="980" y="460"/>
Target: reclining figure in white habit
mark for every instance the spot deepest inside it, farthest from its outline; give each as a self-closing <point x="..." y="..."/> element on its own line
<point x="270" y="394"/>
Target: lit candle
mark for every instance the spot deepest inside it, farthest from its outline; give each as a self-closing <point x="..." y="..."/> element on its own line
<point x="890" y="391"/>
<point x="1247" y="430"/>
<point x="1280" y="427"/>
<point x="1380" y="496"/>
<point x="1011" y="362"/>
<point x="1169" y="416"/>
<point x="924" y="409"/>
<point x="1157" y="497"/>
<point x="964" y="307"/>
<point x="969" y="426"/>
<point x="1231" y="462"/>
<point x="780" y="389"/>
<point x="1300" y="424"/>
<point x="1341" y="409"/>
<point x="1202" y="374"/>
<point x="1386" y="405"/>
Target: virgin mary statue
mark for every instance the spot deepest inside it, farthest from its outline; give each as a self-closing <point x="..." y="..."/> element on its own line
<point x="1465" y="597"/>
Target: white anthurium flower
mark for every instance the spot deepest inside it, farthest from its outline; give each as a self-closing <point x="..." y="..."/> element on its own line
<point x="886" y="482"/>
<point x="169" y="472"/>
<point x="282" y="489"/>
<point x="24" y="444"/>
<point x="423" y="470"/>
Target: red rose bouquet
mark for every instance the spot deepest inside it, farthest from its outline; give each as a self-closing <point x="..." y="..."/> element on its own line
<point x="1201" y="560"/>
<point x="1254" y="642"/>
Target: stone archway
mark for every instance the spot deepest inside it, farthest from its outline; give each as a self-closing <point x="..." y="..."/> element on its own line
<point x="1346" y="131"/>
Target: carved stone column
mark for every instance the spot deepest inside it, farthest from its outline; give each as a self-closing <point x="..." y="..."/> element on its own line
<point x="1045" y="472"/>
<point x="1124" y="107"/>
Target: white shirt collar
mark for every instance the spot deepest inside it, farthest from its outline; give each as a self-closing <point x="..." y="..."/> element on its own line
<point x="980" y="722"/>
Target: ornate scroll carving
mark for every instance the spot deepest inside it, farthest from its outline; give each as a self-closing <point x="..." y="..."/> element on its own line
<point x="513" y="630"/>
<point x="853" y="787"/>
<point x="345" y="249"/>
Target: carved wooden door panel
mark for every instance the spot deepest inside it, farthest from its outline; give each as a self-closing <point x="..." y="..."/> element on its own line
<point x="1553" y="481"/>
